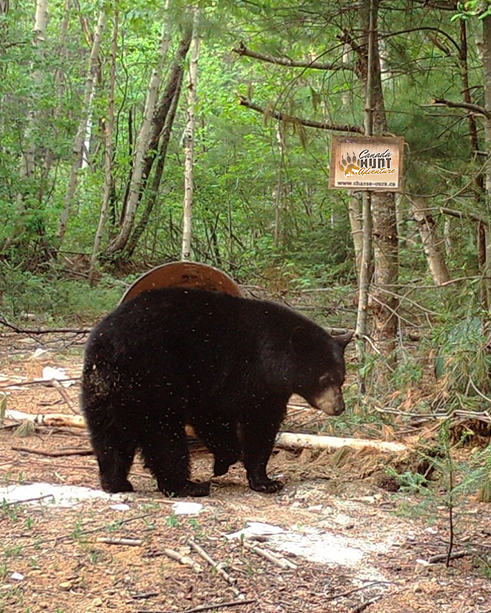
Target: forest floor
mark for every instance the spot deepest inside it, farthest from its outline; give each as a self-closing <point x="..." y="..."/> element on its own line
<point x="345" y="546"/>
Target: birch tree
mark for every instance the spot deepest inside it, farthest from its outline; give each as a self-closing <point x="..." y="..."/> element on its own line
<point x="27" y="161"/>
<point x="77" y="150"/>
<point x="189" y="136"/>
<point x="108" y="179"/>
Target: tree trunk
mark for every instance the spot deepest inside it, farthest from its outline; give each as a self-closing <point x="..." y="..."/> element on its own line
<point x="59" y="80"/>
<point x="108" y="178"/>
<point x="27" y="162"/>
<point x="431" y="243"/>
<point x="189" y="143"/>
<point x="486" y="62"/>
<point x="355" y="219"/>
<point x="149" y="148"/>
<point x="384" y="302"/>
<point x="82" y="128"/>
<point x="153" y="192"/>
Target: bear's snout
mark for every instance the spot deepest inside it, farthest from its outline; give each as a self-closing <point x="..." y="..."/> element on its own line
<point x="330" y="401"/>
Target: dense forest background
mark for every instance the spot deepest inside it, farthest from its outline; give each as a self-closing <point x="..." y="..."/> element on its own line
<point x="123" y="122"/>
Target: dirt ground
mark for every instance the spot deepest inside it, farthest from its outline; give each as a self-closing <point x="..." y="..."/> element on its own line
<point x="346" y="546"/>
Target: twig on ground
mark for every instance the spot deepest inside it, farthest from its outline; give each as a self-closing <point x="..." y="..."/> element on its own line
<point x="63" y="393"/>
<point x="28" y="331"/>
<point x="119" y="541"/>
<point x="358" y="589"/>
<point x="443" y="557"/>
<point x="175" y="555"/>
<point x="37" y="382"/>
<point x="145" y="595"/>
<point x="47" y="419"/>
<point x="365" y="605"/>
<point x="201" y="552"/>
<point x="54" y="454"/>
<point x="10" y="504"/>
<point x="83" y="533"/>
<point x="205" y="607"/>
<point x="278" y="560"/>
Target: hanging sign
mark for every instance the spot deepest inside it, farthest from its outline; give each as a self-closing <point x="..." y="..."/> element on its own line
<point x="366" y="163"/>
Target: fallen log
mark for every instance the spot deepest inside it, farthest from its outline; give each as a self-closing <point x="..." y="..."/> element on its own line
<point x="291" y="440"/>
<point x="286" y="440"/>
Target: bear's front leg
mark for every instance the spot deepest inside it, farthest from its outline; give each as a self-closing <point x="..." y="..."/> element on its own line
<point x="258" y="433"/>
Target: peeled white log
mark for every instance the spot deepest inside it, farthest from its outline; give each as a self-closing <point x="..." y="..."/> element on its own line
<point x="290" y="440"/>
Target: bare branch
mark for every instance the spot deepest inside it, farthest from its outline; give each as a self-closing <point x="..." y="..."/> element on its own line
<point x="321" y="125"/>
<point x="461" y="215"/>
<point x="474" y="108"/>
<point x="284" y="61"/>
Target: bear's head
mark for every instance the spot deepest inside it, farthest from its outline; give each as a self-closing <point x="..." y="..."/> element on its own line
<point x="320" y="368"/>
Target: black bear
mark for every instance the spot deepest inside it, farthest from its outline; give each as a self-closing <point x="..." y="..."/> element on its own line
<point x="225" y="365"/>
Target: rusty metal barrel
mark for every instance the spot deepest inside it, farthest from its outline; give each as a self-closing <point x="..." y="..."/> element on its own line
<point x="183" y="274"/>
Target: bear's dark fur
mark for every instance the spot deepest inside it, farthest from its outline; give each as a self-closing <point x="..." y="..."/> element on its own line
<point x="225" y="365"/>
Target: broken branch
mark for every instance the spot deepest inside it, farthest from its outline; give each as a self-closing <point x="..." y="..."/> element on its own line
<point x="47" y="419"/>
<point x="54" y="454"/>
<point x="206" y="607"/>
<point x="175" y="555"/>
<point x="201" y="552"/>
<point x="271" y="557"/>
<point x="119" y="541"/>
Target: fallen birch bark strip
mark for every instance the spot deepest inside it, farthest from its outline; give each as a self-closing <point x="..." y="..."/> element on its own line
<point x="291" y="440"/>
<point x="286" y="440"/>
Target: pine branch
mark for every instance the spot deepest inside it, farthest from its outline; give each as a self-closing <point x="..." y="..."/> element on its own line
<point x="321" y="125"/>
<point x="284" y="61"/>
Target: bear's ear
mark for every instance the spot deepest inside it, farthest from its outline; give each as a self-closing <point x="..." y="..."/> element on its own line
<point x="343" y="339"/>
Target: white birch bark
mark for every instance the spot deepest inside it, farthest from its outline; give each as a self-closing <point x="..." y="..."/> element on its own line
<point x="58" y="77"/>
<point x="108" y="150"/>
<point x="28" y="155"/>
<point x="82" y="128"/>
<point x="431" y="243"/>
<point x="189" y="142"/>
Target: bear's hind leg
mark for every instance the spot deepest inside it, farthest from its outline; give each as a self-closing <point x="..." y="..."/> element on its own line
<point x="222" y="440"/>
<point x="166" y="455"/>
<point x="115" y="458"/>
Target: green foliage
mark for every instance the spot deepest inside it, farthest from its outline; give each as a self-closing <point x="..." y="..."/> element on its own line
<point x="463" y="358"/>
<point x="53" y="297"/>
<point x="408" y="481"/>
<point x="473" y="8"/>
